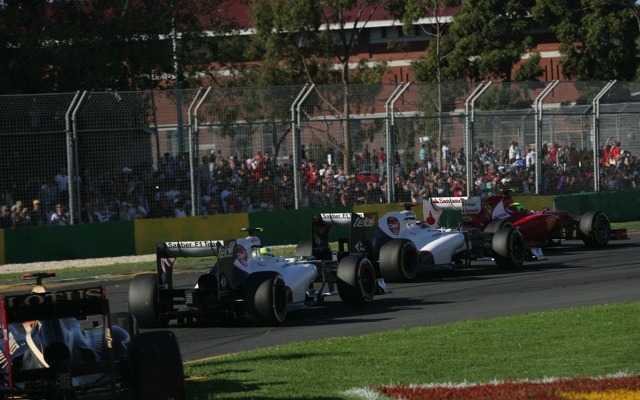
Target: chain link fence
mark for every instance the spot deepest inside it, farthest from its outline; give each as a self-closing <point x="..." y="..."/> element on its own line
<point x="111" y="156"/>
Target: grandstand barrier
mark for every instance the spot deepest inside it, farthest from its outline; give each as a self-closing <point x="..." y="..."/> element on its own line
<point x="55" y="243"/>
<point x="138" y="237"/>
<point x="290" y="226"/>
<point x="148" y="232"/>
<point x="619" y="206"/>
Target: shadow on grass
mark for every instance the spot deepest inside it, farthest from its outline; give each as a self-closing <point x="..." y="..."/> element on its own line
<point x="241" y="388"/>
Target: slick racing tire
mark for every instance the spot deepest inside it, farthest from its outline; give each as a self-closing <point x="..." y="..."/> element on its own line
<point x="157" y="369"/>
<point x="595" y="228"/>
<point x="509" y="249"/>
<point x="304" y="248"/>
<point x="398" y="260"/>
<point x="144" y="300"/>
<point x="496" y="224"/>
<point x="356" y="280"/>
<point x="266" y="300"/>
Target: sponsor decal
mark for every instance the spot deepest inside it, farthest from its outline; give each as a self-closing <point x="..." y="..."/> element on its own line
<point x="335" y="216"/>
<point x="35" y="299"/>
<point x="447" y="200"/>
<point x="193" y="245"/>
<point x="242" y="255"/>
<point x="226" y="250"/>
<point x="394" y="225"/>
<point x="362" y="222"/>
<point x="13" y="346"/>
<point x="167" y="264"/>
<point x="430" y="219"/>
<point x="359" y="247"/>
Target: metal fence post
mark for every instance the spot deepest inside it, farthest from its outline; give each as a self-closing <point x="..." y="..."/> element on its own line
<point x="72" y="158"/>
<point x="387" y="138"/>
<point x="391" y="189"/>
<point x="297" y="189"/>
<point x="468" y="131"/>
<point x="193" y="163"/>
<point x="538" y="130"/>
<point x="596" y="134"/>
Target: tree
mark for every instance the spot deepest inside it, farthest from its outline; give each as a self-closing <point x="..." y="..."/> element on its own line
<point x="530" y="69"/>
<point x="598" y="37"/>
<point x="97" y="45"/>
<point x="432" y="67"/>
<point x="305" y="39"/>
<point x="490" y="37"/>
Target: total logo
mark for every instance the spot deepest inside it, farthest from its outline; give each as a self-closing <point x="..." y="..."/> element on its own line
<point x="394" y="225"/>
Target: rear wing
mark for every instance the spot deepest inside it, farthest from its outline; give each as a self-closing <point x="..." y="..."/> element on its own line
<point x="167" y="252"/>
<point x="67" y="303"/>
<point x="362" y="228"/>
<point x="434" y="206"/>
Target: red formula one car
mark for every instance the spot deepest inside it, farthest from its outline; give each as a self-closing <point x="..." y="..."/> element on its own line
<point x="541" y="228"/>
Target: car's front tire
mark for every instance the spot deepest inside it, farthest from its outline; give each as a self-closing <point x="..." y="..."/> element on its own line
<point x="266" y="300"/>
<point x="398" y="260"/>
<point x="509" y="249"/>
<point x="595" y="228"/>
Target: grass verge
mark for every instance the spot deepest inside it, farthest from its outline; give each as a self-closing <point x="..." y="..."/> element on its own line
<point x="593" y="341"/>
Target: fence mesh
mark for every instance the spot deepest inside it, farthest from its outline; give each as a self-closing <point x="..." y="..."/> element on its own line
<point x="212" y="150"/>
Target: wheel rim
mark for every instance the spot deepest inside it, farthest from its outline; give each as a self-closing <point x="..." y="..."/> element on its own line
<point x="519" y="248"/>
<point x="602" y="229"/>
<point x="279" y="294"/>
<point x="366" y="279"/>
<point x="409" y="261"/>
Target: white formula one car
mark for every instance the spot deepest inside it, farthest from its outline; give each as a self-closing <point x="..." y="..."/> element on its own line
<point x="406" y="245"/>
<point x="247" y="282"/>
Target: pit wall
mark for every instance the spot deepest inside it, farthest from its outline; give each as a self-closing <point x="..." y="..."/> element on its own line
<point x="113" y="239"/>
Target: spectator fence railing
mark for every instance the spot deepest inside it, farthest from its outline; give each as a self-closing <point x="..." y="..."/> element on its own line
<point x="168" y="153"/>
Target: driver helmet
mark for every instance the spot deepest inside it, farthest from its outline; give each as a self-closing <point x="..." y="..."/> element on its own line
<point x="265" y="251"/>
<point x="518" y="206"/>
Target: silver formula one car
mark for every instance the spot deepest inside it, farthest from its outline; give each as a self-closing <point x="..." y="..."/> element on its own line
<point x="247" y="282"/>
<point x="65" y="344"/>
<point x="406" y="245"/>
<point x="399" y="246"/>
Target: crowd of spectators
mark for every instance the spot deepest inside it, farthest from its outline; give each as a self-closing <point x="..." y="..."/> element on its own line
<point x="231" y="184"/>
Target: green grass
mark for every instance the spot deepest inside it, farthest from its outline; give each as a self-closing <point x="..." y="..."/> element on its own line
<point x="592" y="341"/>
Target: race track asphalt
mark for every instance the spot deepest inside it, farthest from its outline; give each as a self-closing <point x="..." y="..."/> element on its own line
<point x="571" y="276"/>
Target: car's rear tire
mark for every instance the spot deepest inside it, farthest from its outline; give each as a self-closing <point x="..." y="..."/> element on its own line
<point x="157" y="368"/>
<point x="356" y="280"/>
<point x="265" y="296"/>
<point x="304" y="248"/>
<point x="509" y="249"/>
<point x="496" y="224"/>
<point x="398" y="260"/>
<point x="595" y="228"/>
<point x="144" y="300"/>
